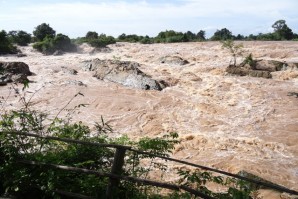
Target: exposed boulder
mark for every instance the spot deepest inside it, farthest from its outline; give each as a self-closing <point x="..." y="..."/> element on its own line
<point x="70" y="71"/>
<point x="269" y="65"/>
<point x="258" y="68"/>
<point x="244" y="71"/>
<point x="13" y="72"/>
<point x="2" y="81"/>
<point x="123" y="72"/>
<point x="174" y="60"/>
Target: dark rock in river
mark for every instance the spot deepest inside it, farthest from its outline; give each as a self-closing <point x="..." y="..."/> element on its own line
<point x="13" y="72"/>
<point x="173" y="60"/>
<point x="123" y="72"/>
<point x="258" y="68"/>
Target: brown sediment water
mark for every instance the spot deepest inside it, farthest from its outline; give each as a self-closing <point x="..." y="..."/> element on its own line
<point x="226" y="122"/>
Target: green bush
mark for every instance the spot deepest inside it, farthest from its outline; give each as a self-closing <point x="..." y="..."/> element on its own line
<point x="250" y="61"/>
<point x="171" y="36"/>
<point x="102" y="41"/>
<point x="91" y="35"/>
<point x="50" y="45"/>
<point x="42" y="31"/>
<point x="223" y="34"/>
<point x="96" y="41"/>
<point x="6" y="46"/>
<point x="62" y="42"/>
<point x="20" y="37"/>
<point x="146" y="40"/>
<point x="130" y="38"/>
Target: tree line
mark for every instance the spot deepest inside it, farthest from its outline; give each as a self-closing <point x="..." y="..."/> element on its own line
<point x="47" y="41"/>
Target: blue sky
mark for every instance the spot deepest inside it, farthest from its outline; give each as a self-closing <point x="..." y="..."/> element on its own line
<point x="145" y="17"/>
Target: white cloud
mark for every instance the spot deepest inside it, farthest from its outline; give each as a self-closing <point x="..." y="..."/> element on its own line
<point x="143" y="17"/>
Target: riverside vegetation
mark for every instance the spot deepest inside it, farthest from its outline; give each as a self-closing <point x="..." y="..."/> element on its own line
<point x="47" y="41"/>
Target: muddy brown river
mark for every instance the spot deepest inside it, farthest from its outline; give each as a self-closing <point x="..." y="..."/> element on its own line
<point x="226" y="122"/>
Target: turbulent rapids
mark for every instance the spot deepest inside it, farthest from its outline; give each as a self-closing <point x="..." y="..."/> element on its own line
<point x="227" y="122"/>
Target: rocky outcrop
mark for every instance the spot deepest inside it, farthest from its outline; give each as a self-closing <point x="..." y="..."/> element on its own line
<point x="259" y="68"/>
<point x="247" y="71"/>
<point x="173" y="60"/>
<point x="13" y="72"/>
<point x="123" y="72"/>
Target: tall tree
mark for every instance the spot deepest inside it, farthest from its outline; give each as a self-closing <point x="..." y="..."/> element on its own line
<point x="189" y="36"/>
<point x="282" y="30"/>
<point x="91" y="35"/>
<point x="201" y="35"/>
<point x="222" y="34"/>
<point x="44" y="30"/>
<point x="5" y="45"/>
<point x="20" y="37"/>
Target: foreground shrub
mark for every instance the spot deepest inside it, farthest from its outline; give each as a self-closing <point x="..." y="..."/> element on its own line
<point x="24" y="181"/>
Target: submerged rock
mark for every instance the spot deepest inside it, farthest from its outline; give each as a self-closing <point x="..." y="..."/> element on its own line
<point x="13" y="72"/>
<point x="123" y="72"/>
<point x="269" y="65"/>
<point x="21" y="55"/>
<point x="174" y="60"/>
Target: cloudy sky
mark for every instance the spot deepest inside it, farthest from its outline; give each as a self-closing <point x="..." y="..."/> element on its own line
<point x="147" y="17"/>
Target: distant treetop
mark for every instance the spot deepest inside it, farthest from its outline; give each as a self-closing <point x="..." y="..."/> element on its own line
<point x="44" y="30"/>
